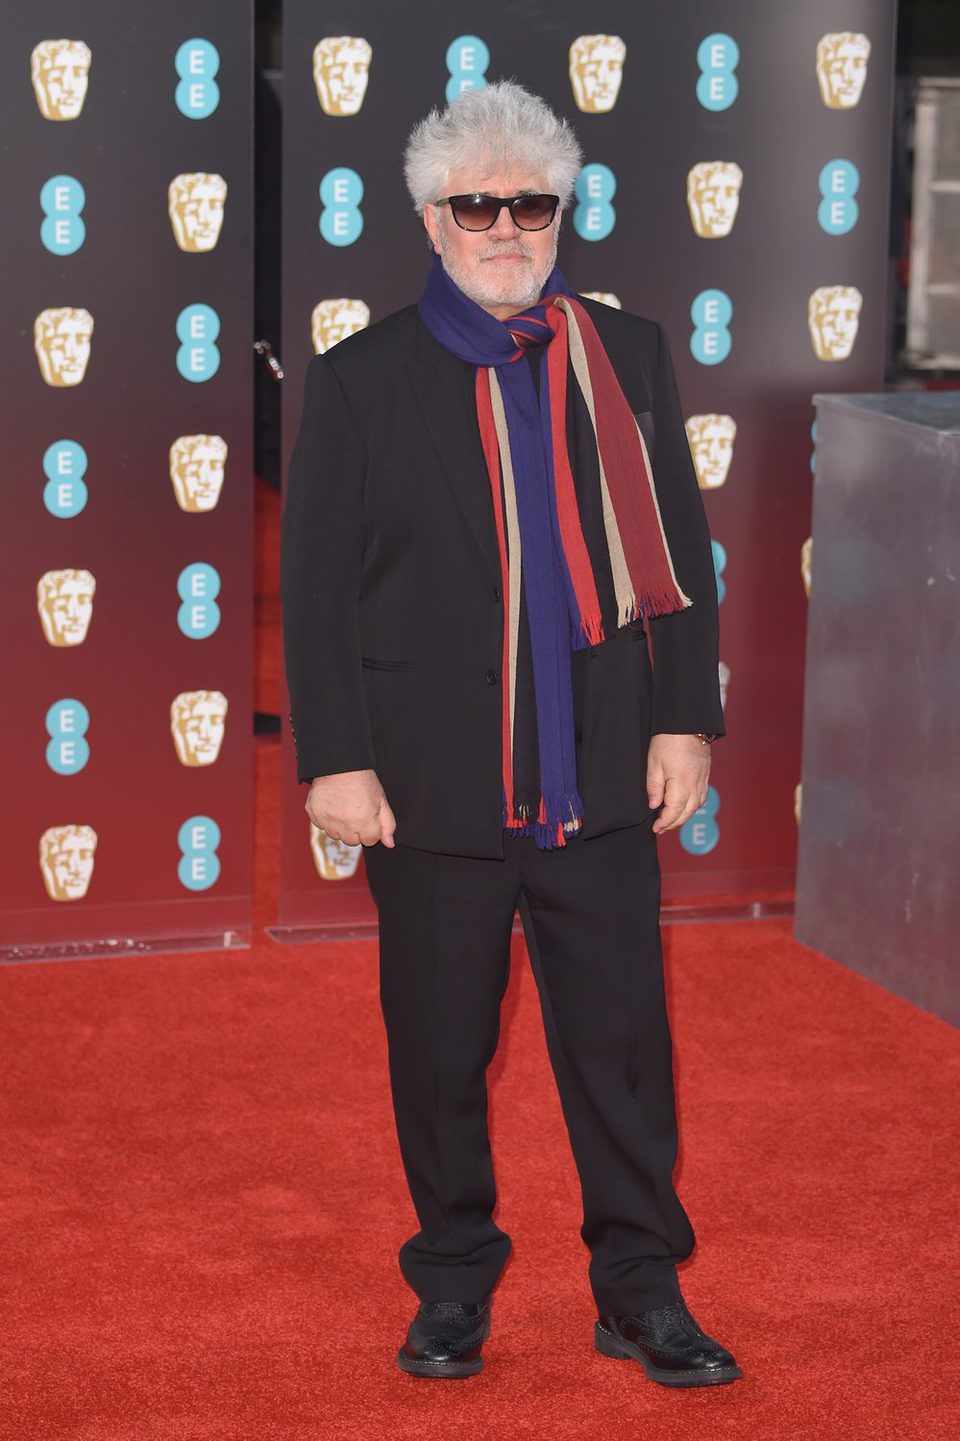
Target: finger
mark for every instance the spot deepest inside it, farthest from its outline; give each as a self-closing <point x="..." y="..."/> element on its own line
<point x="388" y="824"/>
<point x="676" y="799"/>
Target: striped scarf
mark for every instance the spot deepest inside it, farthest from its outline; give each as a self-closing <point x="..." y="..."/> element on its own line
<point x="565" y="539"/>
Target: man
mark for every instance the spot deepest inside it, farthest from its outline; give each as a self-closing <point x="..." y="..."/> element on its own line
<point x="490" y="502"/>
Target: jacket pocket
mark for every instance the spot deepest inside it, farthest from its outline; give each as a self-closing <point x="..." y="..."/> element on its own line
<point x="370" y="662"/>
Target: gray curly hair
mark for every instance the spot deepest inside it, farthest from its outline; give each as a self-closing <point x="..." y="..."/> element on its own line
<point x="501" y="126"/>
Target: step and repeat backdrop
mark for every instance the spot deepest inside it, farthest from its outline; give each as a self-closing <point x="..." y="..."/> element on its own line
<point x="127" y="529"/>
<point x="736" y="190"/>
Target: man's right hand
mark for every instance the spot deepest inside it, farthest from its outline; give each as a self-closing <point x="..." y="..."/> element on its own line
<point x="351" y="807"/>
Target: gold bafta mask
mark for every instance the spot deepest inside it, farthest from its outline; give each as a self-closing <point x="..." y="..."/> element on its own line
<point x="605" y="297"/>
<point x="60" y="71"/>
<point x="842" y="68"/>
<point x="334" y="860"/>
<point x="806" y="562"/>
<point x="65" y="605"/>
<point x="197" y="464"/>
<point x="195" y="202"/>
<point x="711" y="440"/>
<point x="797" y="801"/>
<point x="713" y="196"/>
<point x="333" y="320"/>
<point x="723" y="674"/>
<point x="197" y="720"/>
<point x="66" y="861"/>
<point x="596" y="70"/>
<point x="61" y="340"/>
<point x="833" y="314"/>
<point x="341" y="69"/>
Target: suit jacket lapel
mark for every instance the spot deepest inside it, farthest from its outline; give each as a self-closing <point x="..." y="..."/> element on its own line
<point x="443" y="390"/>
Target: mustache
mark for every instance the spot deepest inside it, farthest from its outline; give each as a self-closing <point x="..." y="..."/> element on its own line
<point x="509" y="248"/>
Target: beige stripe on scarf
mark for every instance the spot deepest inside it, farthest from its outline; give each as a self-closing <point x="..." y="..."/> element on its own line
<point x="513" y="532"/>
<point x="626" y="599"/>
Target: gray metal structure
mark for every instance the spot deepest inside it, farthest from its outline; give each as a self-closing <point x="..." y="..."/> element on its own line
<point x="877" y="871"/>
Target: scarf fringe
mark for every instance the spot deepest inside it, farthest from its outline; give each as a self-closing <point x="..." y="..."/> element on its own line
<point x="550" y="834"/>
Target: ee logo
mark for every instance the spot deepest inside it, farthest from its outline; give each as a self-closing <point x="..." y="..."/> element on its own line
<point x="467" y="61"/>
<point x="711" y="313"/>
<point x="813" y="453"/>
<point x="341" y="191"/>
<point x="198" y="357"/>
<point x="595" y="217"/>
<point x="700" y="833"/>
<point x="199" y="865"/>
<point x="719" y="566"/>
<point x="67" y="749"/>
<point x="61" y="199"/>
<point x="64" y="465"/>
<point x="198" y="94"/>
<point x="198" y="586"/>
<point x="717" y="56"/>
<point x="839" y="182"/>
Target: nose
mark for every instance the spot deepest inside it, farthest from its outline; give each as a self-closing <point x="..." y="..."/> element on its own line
<point x="505" y="228"/>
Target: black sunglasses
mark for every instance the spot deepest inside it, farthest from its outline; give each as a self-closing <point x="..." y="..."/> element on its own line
<point x="480" y="212"/>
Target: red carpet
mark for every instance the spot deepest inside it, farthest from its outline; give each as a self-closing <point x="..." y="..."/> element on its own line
<point x="201" y="1196"/>
<point x="202" y="1201"/>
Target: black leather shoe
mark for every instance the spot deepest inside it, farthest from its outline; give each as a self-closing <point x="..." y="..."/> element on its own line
<point x="445" y="1339"/>
<point x="669" y="1345"/>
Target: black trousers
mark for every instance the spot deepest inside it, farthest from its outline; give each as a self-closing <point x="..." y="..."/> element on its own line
<point x="590" y="911"/>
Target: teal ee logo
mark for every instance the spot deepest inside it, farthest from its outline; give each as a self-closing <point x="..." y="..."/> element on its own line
<point x="61" y="200"/>
<point x="700" y="833"/>
<point x="67" y="749"/>
<point x="595" y="217"/>
<point x="839" y="182"/>
<point x="64" y="465"/>
<point x="467" y="61"/>
<point x="198" y="357"/>
<point x="719" y="566"/>
<point x="341" y="191"/>
<point x="711" y="313"/>
<point x="813" y="453"/>
<point x="198" y="586"/>
<point x="717" y="56"/>
<point x="197" y="94"/>
<point x="199" y="865"/>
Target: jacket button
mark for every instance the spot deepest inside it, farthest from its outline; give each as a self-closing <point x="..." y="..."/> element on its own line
<point x="491" y="677"/>
<point x="496" y="592"/>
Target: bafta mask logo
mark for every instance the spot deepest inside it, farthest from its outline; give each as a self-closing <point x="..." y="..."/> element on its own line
<point x="596" y="70"/>
<point x="65" y="605"/>
<point x="797" y="802"/>
<point x="60" y="71"/>
<point x="197" y="464"/>
<point x="334" y="860"/>
<point x="711" y="440"/>
<point x="713" y="196"/>
<point x="842" y="68"/>
<point x="723" y="675"/>
<point x="197" y="721"/>
<point x="341" y="69"/>
<point x="806" y="563"/>
<point x="61" y="340"/>
<point x="66" y="861"/>
<point x="195" y="202"/>
<point x="605" y="297"/>
<point x="333" y="320"/>
<point x="833" y="314"/>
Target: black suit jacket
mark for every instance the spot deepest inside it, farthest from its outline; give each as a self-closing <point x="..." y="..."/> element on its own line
<point x="390" y="584"/>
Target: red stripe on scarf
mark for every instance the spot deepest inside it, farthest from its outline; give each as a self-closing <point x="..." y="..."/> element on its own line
<point x="622" y="455"/>
<point x="491" y="451"/>
<point x="568" y="511"/>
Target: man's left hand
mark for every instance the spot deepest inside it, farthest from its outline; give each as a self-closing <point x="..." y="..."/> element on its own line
<point x="678" y="768"/>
